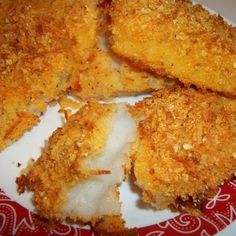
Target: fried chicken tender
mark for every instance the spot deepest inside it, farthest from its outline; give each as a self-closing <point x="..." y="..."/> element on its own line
<point x="42" y="43"/>
<point x="186" y="147"/>
<point x="176" y="39"/>
<point x="78" y="174"/>
<point x="102" y="80"/>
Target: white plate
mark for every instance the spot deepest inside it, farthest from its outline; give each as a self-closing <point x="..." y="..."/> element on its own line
<point x="32" y="142"/>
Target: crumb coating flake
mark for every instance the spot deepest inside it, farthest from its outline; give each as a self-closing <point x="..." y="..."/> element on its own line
<point x="41" y="44"/>
<point x="176" y="39"/>
<point x="185" y="146"/>
<point x="63" y="161"/>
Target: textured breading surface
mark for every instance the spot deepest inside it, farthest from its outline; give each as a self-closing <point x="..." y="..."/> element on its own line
<point x="176" y="39"/>
<point x="186" y="146"/>
<point x="103" y="80"/>
<point x="41" y="44"/>
<point x="62" y="163"/>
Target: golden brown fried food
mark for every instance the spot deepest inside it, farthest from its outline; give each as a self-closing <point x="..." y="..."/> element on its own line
<point x="42" y="43"/>
<point x="106" y="226"/>
<point x="78" y="174"/>
<point x="186" y="147"/>
<point x="176" y="39"/>
<point x="104" y="80"/>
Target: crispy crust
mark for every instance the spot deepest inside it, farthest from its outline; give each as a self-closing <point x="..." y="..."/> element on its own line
<point x="65" y="162"/>
<point x="113" y="226"/>
<point x="176" y="39"/>
<point x="41" y="44"/>
<point x="62" y="163"/>
<point x="22" y="122"/>
<point x="185" y="148"/>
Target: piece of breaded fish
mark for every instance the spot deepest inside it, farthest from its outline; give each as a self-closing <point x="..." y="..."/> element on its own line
<point x="186" y="147"/>
<point x="176" y="39"/>
<point x="78" y="174"/>
<point x="107" y="78"/>
<point x="42" y="43"/>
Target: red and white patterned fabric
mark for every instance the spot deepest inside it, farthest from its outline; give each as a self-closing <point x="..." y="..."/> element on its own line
<point x="219" y="212"/>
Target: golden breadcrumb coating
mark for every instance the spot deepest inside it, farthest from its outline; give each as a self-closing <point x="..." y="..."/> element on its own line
<point x="41" y="45"/>
<point x="186" y="146"/>
<point x="75" y="164"/>
<point x="63" y="161"/>
<point x="176" y="39"/>
<point x="103" y="80"/>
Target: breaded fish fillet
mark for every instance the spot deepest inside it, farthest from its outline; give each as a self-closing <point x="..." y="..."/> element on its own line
<point x="176" y="39"/>
<point x="78" y="174"/>
<point x="105" y="80"/>
<point x="42" y="43"/>
<point x="186" y="147"/>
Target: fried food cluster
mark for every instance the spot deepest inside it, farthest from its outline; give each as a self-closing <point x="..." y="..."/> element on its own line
<point x="183" y="137"/>
<point x="49" y="48"/>
<point x="176" y="39"/>
<point x="185" y="147"/>
<point x="41" y="45"/>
